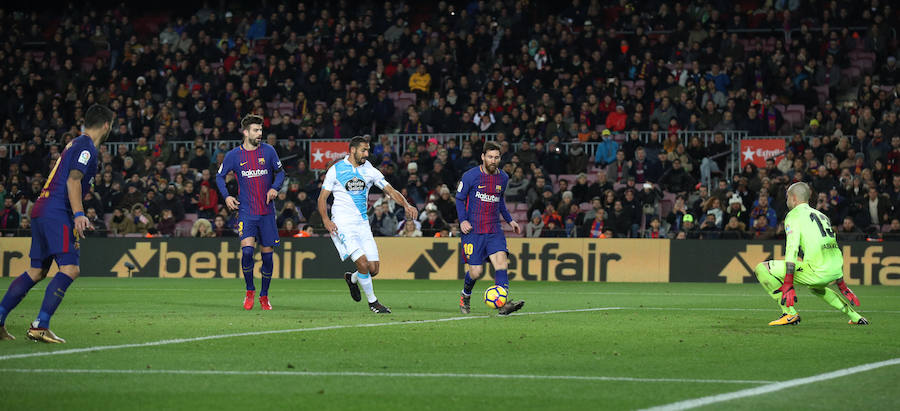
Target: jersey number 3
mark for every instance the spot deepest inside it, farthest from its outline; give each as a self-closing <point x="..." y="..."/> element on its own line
<point x="824" y="229"/>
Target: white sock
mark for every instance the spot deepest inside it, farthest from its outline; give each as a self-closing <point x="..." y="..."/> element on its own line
<point x="365" y="280"/>
<point x="355" y="277"/>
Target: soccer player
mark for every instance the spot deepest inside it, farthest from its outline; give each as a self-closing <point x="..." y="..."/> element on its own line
<point x="479" y="204"/>
<point x="260" y="176"/>
<point x="350" y="180"/>
<point x="810" y="237"/>
<point x="58" y="223"/>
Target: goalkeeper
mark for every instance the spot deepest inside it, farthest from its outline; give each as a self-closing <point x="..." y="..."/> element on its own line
<point x="810" y="237"/>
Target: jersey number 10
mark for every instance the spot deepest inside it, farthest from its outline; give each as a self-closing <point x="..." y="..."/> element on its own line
<point x="825" y="228"/>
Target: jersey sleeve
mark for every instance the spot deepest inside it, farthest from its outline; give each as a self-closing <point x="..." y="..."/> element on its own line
<point x="276" y="168"/>
<point x="375" y="176"/>
<point x="330" y="179"/>
<point x="792" y="229"/>
<point x="84" y="159"/>
<point x="462" y="189"/>
<point x="462" y="193"/>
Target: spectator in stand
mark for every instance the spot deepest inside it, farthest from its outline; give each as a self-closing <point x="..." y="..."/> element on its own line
<point x="689" y="228"/>
<point x="606" y="149"/>
<point x="410" y="230"/>
<point x="763" y="209"/>
<point x="121" y="222"/>
<point x="848" y="231"/>
<point x="535" y="225"/>
<point x="166" y="225"/>
<point x="656" y="229"/>
<point x="142" y="221"/>
<point x="202" y="228"/>
<point x="9" y="217"/>
<point x="221" y="229"/>
<point x="761" y="229"/>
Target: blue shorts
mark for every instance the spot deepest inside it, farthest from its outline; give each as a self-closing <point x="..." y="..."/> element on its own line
<point x="262" y="227"/>
<point x="478" y="247"/>
<point x="53" y="238"/>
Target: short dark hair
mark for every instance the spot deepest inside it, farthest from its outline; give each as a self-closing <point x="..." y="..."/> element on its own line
<point x="490" y="146"/>
<point x="249" y="120"/>
<point x="97" y="115"/>
<point x="357" y="141"/>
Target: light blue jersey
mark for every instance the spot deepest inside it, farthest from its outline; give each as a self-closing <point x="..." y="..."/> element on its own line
<point x="350" y="187"/>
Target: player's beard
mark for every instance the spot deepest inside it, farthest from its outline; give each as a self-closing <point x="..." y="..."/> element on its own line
<point x="490" y="168"/>
<point x="358" y="158"/>
<point x="254" y="141"/>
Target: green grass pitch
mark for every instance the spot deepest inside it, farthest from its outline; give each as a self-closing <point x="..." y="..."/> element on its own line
<point x="657" y="344"/>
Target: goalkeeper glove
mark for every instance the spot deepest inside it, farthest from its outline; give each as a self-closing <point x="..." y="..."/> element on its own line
<point x="847" y="292"/>
<point x="788" y="295"/>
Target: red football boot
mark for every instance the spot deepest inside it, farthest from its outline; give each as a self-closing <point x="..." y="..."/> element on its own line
<point x="248" y="300"/>
<point x="264" y="303"/>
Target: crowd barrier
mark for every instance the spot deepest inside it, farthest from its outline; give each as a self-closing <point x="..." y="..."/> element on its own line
<point x="586" y="260"/>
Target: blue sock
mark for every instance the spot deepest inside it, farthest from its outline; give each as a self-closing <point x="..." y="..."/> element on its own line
<point x="266" y="272"/>
<point x="14" y="295"/>
<point x="56" y="290"/>
<point x="470" y="284"/>
<point x="501" y="279"/>
<point x="247" y="266"/>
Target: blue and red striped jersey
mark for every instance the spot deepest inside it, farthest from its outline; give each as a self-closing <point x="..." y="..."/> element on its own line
<point x="80" y="154"/>
<point x="481" y="195"/>
<point x="256" y="172"/>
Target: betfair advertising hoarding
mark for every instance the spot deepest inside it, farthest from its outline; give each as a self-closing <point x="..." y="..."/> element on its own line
<point x="594" y="260"/>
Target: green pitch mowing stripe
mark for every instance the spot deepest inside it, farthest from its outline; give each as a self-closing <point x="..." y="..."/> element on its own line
<point x="295" y="330"/>
<point x="379" y="374"/>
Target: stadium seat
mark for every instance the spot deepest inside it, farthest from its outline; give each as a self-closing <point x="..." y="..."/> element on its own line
<point x="521" y="207"/>
<point x="584" y="206"/>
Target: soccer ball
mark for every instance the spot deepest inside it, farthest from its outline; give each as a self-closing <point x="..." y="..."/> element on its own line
<point x="495" y="296"/>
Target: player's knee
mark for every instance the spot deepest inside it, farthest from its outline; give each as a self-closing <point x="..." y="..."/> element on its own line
<point x="373" y="268"/>
<point x="761" y="268"/>
<point x="70" y="270"/>
<point x="362" y="265"/>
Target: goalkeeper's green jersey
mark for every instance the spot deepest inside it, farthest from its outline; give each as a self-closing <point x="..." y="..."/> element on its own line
<point x="810" y="231"/>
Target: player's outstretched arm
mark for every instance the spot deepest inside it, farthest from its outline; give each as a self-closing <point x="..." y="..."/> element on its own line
<point x="73" y="184"/>
<point x="411" y="211"/>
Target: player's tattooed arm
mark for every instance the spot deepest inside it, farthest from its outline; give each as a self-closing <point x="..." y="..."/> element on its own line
<point x="73" y="185"/>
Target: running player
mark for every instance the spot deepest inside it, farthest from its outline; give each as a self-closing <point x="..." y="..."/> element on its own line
<point x="479" y="204"/>
<point x="259" y="175"/>
<point x="349" y="180"/>
<point x="810" y="237"/>
<point x="58" y="223"/>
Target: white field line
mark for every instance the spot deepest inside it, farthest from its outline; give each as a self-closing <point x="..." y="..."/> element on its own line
<point x="295" y="330"/>
<point x="380" y="374"/>
<point x="776" y="386"/>
<point x="397" y="291"/>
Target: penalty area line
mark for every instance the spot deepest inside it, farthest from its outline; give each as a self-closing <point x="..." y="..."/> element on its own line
<point x="287" y="331"/>
<point x="769" y="388"/>
<point x="381" y="374"/>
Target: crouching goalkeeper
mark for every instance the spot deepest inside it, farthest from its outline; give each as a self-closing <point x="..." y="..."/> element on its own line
<point x="808" y="232"/>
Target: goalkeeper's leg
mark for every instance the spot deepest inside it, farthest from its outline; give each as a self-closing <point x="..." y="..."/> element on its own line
<point x="834" y="299"/>
<point x="771" y="275"/>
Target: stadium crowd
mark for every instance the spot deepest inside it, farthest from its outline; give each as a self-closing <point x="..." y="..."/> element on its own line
<point x="587" y="73"/>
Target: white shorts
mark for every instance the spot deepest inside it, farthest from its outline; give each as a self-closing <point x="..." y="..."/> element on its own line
<point x="354" y="240"/>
